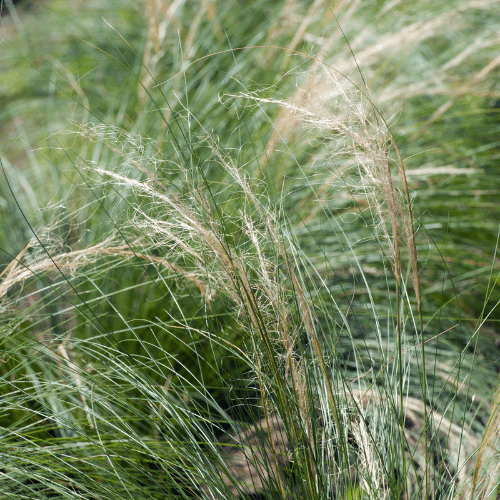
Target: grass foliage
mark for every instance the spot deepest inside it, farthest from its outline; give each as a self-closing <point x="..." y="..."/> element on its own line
<point x="249" y="250"/>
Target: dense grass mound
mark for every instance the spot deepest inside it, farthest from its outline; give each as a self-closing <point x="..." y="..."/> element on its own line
<point x="248" y="250"/>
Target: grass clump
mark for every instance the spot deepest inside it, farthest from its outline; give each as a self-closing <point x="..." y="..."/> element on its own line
<point x="233" y="289"/>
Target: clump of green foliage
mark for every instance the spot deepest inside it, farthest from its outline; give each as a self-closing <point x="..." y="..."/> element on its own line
<point x="233" y="259"/>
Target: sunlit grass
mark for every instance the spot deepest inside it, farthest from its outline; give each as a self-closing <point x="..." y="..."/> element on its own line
<point x="215" y="283"/>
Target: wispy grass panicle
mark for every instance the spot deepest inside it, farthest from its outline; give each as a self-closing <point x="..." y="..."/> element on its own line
<point x="341" y="116"/>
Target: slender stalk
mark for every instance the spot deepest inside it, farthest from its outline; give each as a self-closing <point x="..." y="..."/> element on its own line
<point x="410" y="231"/>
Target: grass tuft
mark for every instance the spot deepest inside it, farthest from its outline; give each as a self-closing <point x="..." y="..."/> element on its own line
<point x="250" y="274"/>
